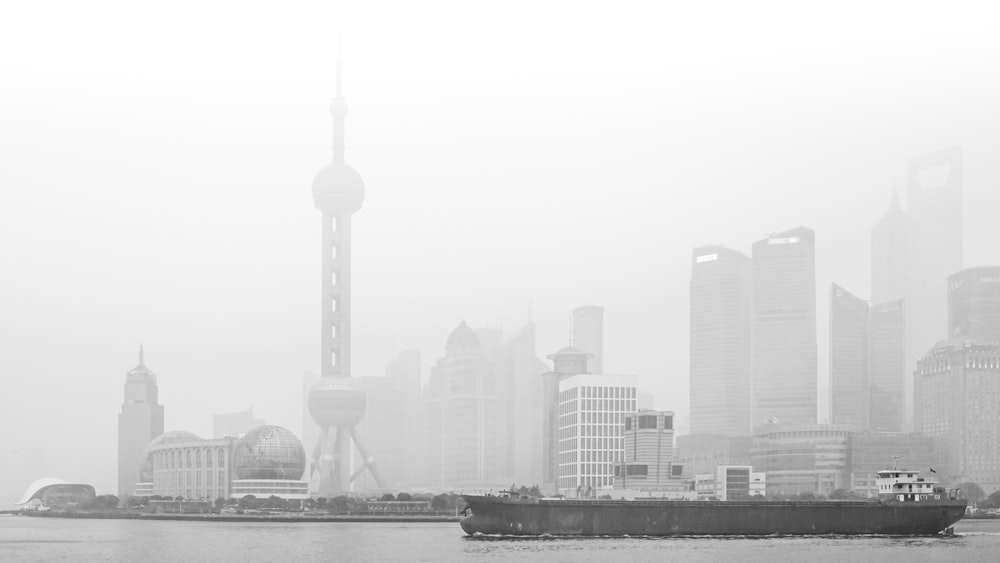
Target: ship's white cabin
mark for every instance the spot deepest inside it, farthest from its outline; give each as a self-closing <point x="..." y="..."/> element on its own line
<point x="905" y="485"/>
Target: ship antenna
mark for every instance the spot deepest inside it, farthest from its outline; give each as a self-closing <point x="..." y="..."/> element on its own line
<point x="895" y="459"/>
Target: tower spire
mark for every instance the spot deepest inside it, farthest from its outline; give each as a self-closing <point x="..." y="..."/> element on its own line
<point x="338" y="109"/>
<point x="140" y="355"/>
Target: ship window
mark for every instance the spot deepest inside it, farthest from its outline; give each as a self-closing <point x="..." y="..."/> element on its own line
<point x="900" y="497"/>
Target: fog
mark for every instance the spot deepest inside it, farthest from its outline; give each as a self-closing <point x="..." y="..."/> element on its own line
<point x="520" y="160"/>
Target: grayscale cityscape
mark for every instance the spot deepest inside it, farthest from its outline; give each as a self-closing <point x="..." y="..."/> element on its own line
<point x="400" y="264"/>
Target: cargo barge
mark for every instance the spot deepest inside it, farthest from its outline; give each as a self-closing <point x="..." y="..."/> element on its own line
<point x="906" y="505"/>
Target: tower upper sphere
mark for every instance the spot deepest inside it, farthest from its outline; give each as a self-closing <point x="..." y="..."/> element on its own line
<point x="338" y="189"/>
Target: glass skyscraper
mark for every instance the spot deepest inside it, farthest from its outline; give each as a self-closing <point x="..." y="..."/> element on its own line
<point x="720" y="313"/>
<point x="784" y="328"/>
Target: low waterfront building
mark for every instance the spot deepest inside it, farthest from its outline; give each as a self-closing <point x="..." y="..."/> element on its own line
<point x="267" y="461"/>
<point x="802" y="458"/>
<point x="731" y="482"/>
<point x="649" y="453"/>
<point x="56" y="493"/>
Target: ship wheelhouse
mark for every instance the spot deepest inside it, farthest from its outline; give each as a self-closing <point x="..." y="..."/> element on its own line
<point x="901" y="485"/>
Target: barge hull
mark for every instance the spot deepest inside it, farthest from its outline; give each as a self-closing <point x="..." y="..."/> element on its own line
<point x="499" y="516"/>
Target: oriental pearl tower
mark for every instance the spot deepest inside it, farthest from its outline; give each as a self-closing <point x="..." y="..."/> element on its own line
<point x="335" y="403"/>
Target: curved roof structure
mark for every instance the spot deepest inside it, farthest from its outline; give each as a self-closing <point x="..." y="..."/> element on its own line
<point x="462" y="340"/>
<point x="35" y="489"/>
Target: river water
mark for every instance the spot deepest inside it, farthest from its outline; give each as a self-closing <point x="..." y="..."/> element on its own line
<point x="54" y="539"/>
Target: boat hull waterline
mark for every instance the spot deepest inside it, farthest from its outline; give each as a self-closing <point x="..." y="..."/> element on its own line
<point x="505" y="516"/>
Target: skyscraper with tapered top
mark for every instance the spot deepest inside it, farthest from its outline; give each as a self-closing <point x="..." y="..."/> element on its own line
<point x="140" y="420"/>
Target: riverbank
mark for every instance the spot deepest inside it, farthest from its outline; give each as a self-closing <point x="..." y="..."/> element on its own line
<point x="281" y="518"/>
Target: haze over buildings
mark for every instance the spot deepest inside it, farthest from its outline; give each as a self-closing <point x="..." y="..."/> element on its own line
<point x="157" y="193"/>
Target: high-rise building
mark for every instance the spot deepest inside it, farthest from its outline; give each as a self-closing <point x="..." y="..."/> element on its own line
<point x="567" y="362"/>
<point x="464" y="416"/>
<point x="140" y="421"/>
<point x="891" y="250"/>
<point x="592" y="410"/>
<point x="518" y="367"/>
<point x="234" y="424"/>
<point x="336" y="403"/>
<point x="721" y="292"/>
<point x="974" y="303"/>
<point x="914" y="251"/>
<point x="398" y="448"/>
<point x="936" y="218"/>
<point x="588" y="334"/>
<point x="784" y="328"/>
<point x="849" y="339"/>
<point x="958" y="404"/>
<point x="887" y="366"/>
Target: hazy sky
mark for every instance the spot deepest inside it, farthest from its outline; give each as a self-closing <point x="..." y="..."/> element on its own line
<point x="521" y="158"/>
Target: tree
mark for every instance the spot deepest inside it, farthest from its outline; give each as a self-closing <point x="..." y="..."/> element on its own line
<point x="339" y="505"/>
<point x="440" y="502"/>
<point x="220" y="502"/>
<point x="387" y="496"/>
<point x="992" y="501"/>
<point x="309" y="504"/>
<point x="248" y="501"/>
<point x="973" y="492"/>
<point x="404" y="497"/>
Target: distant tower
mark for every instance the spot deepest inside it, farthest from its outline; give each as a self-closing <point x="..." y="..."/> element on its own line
<point x="784" y="328"/>
<point x="140" y="421"/>
<point x="588" y="334"/>
<point x="849" y="367"/>
<point x="720" y="304"/>
<point x="974" y="303"/>
<point x="335" y="402"/>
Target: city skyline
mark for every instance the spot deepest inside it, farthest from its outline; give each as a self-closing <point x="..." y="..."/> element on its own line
<point x="158" y="193"/>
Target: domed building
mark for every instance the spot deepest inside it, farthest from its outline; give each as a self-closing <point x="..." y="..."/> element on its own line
<point x="268" y="460"/>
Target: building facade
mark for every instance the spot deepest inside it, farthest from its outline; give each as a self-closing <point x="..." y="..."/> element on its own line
<point x="464" y="416"/>
<point x="849" y="380"/>
<point x="958" y="404"/>
<point x="649" y="462"/>
<point x="720" y="324"/>
<point x="731" y="482"/>
<point x="887" y="366"/>
<point x="800" y="458"/>
<point x="266" y="461"/>
<point x="588" y="334"/>
<point x="140" y="421"/>
<point x="592" y="411"/>
<point x="784" y="328"/>
<point x="974" y="303"/>
<point x="876" y="451"/>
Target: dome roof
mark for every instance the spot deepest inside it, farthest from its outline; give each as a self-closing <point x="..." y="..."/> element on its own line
<point x="462" y="340"/>
<point x="269" y="452"/>
<point x="146" y="460"/>
<point x="570" y="351"/>
<point x="338" y="188"/>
